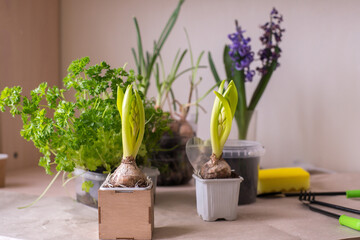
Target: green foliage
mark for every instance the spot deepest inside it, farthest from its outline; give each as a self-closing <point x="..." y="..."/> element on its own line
<point x="84" y="132"/>
<point x="145" y="61"/>
<point x="87" y="185"/>
<point x="222" y="115"/>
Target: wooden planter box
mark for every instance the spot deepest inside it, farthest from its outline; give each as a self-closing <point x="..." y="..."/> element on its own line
<point x="126" y="213"/>
<point x="3" y="158"/>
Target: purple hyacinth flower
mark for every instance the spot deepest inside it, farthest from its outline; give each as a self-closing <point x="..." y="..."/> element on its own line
<point x="240" y="52"/>
<point x="270" y="39"/>
<point x="274" y="12"/>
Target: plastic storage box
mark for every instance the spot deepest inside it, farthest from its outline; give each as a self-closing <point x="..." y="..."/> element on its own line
<point x="90" y="198"/>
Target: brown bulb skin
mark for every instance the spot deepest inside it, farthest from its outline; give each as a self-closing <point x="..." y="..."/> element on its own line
<point x="128" y="175"/>
<point x="215" y="168"/>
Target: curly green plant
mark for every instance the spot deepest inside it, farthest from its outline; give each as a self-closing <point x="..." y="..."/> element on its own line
<point x="83" y="129"/>
<point x="221" y="120"/>
<point x="79" y="126"/>
<point x="132" y="114"/>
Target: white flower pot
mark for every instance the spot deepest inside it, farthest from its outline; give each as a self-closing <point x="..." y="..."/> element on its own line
<point x="217" y="198"/>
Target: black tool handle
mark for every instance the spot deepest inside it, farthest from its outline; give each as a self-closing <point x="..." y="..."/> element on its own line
<point x="315" y="194"/>
<point x="328" y="193"/>
<point x="296" y="194"/>
<point x="346" y="209"/>
<point x="330" y="214"/>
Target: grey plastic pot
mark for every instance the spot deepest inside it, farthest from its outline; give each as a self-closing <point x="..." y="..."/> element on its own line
<point x="242" y="156"/>
<point x="217" y="198"/>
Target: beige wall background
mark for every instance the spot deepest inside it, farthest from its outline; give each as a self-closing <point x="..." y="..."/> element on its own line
<point x="29" y="47"/>
<point x="310" y="110"/>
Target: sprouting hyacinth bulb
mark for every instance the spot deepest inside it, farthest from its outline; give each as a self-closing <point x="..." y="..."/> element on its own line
<point x="221" y="117"/>
<point x="132" y="114"/>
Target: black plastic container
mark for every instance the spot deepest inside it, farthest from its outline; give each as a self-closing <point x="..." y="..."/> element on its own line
<point x="244" y="157"/>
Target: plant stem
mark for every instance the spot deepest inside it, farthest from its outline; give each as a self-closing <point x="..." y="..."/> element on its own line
<point x="240" y="113"/>
<point x="43" y="193"/>
<point x="261" y="86"/>
<point x="243" y="126"/>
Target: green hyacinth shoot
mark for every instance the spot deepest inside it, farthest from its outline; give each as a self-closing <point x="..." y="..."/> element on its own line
<point x="132" y="115"/>
<point x="222" y="115"/>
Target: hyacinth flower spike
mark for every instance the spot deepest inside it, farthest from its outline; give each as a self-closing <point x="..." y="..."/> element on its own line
<point x="221" y="120"/>
<point x="238" y="58"/>
<point x="132" y="114"/>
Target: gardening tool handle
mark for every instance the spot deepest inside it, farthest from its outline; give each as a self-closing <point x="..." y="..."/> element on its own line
<point x="350" y="222"/>
<point x="356" y="211"/>
<point x="353" y="193"/>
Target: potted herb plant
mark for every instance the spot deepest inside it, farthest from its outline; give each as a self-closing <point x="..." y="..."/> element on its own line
<point x="84" y="132"/>
<point x="217" y="188"/>
<point x="126" y="201"/>
<point x="171" y="160"/>
<point x="173" y="163"/>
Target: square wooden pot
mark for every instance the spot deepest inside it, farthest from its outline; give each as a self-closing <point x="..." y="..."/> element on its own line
<point x="126" y="213"/>
<point x="3" y="158"/>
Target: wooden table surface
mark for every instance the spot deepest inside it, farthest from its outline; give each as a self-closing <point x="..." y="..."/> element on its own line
<point x="58" y="216"/>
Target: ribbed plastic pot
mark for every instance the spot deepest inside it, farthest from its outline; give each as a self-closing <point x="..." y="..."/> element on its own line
<point x="242" y="156"/>
<point x="217" y="198"/>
